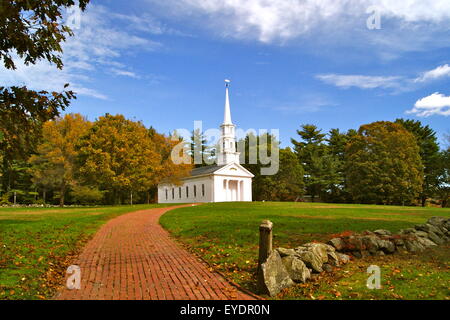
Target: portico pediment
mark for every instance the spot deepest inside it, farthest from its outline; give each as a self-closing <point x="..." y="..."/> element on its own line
<point x="234" y="169"/>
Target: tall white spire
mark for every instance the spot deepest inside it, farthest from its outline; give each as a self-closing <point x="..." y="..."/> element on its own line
<point x="227" y="113"/>
<point x="227" y="150"/>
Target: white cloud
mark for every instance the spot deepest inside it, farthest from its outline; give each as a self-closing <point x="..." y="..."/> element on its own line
<point x="125" y="73"/>
<point x="439" y="72"/>
<point x="399" y="83"/>
<point x="433" y="11"/>
<point x="146" y="23"/>
<point x="361" y="81"/>
<point x="267" y="20"/>
<point x="98" y="46"/>
<point x="435" y="104"/>
<point x="280" y="20"/>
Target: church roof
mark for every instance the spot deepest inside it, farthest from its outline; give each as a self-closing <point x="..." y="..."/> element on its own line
<point x="205" y="170"/>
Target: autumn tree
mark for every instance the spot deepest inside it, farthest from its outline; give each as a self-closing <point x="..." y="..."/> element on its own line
<point x="30" y="31"/>
<point x="118" y="156"/>
<point x="54" y="165"/>
<point x="169" y="171"/>
<point x="383" y="165"/>
<point x="429" y="153"/>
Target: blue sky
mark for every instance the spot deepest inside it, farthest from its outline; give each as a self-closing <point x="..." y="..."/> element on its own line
<point x="291" y="62"/>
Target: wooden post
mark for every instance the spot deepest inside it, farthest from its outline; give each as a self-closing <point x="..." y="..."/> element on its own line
<point x="265" y="242"/>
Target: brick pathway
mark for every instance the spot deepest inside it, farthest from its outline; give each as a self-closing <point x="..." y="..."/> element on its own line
<point x="133" y="258"/>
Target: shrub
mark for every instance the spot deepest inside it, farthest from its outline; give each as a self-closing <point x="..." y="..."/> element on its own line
<point x="4" y="200"/>
<point x="86" y="195"/>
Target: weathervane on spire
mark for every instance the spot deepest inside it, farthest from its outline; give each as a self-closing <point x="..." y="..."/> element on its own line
<point x="227" y="83"/>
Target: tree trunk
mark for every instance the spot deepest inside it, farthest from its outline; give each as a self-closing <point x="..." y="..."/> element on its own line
<point x="424" y="201"/>
<point x="61" y="197"/>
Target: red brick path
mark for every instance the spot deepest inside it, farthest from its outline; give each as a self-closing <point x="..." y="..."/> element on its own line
<point x="133" y="258"/>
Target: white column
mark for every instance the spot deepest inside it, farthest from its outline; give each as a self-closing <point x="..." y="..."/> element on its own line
<point x="227" y="187"/>
<point x="238" y="198"/>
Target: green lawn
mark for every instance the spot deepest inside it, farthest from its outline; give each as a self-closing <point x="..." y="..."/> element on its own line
<point x="226" y="235"/>
<point x="38" y="244"/>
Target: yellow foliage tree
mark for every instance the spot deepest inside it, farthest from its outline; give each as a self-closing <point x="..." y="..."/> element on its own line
<point x="120" y="155"/>
<point x="169" y="171"/>
<point x="54" y="165"/>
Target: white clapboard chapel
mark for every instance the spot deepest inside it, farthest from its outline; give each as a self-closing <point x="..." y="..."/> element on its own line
<point x="225" y="181"/>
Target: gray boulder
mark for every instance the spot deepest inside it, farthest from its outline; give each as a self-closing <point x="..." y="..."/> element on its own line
<point x="370" y="243"/>
<point x="426" y="242"/>
<point x="386" y="246"/>
<point x="438" y="222"/>
<point x="435" y="238"/>
<point x="421" y="234"/>
<point x="337" y="243"/>
<point x="343" y="258"/>
<point x="319" y="249"/>
<point x="413" y="245"/>
<point x="273" y="276"/>
<point x="296" y="269"/>
<point x="429" y="228"/>
<point x="354" y="243"/>
<point x="407" y="231"/>
<point x="447" y="224"/>
<point x="382" y="232"/>
<point x="312" y="260"/>
<point x="285" y="252"/>
<point x="333" y="259"/>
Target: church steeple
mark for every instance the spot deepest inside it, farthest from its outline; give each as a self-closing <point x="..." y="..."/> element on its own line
<point x="227" y="150"/>
<point x="227" y="114"/>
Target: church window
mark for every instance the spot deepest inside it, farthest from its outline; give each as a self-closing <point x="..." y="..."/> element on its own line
<point x="203" y="190"/>
<point x="187" y="192"/>
<point x="173" y="193"/>
<point x="179" y="192"/>
<point x="167" y="194"/>
<point x="195" y="191"/>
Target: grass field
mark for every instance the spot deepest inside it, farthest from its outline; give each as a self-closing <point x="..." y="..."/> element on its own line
<point x="37" y="245"/>
<point x="226" y="235"/>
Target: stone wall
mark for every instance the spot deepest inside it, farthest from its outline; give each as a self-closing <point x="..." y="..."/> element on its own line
<point x="285" y="267"/>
